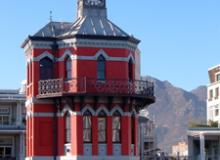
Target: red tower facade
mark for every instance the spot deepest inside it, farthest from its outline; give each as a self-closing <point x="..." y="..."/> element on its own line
<point x="83" y="89"/>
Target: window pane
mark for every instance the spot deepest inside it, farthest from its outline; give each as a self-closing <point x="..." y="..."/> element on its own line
<point x="87" y="129"/>
<point x="68" y="128"/>
<point x="8" y="151"/>
<point x="102" y="129"/>
<point x="218" y="77"/>
<point x="116" y="129"/>
<point x="101" y="68"/>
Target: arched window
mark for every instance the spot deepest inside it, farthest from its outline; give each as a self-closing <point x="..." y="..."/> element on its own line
<point x="130" y="70"/>
<point x="68" y="68"/>
<point x="68" y="128"/>
<point x="116" y="127"/>
<point x="102" y="127"/>
<point x="87" y="127"/>
<point x="133" y="129"/>
<point x="46" y="68"/>
<point x="101" y="68"/>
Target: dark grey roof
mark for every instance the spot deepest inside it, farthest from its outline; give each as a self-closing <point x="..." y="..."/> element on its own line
<point x="53" y="29"/>
<point x="90" y="25"/>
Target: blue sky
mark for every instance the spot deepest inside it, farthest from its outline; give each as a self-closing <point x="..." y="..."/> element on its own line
<point x="180" y="39"/>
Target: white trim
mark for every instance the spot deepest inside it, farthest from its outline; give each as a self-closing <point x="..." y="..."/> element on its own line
<point x="34" y="100"/>
<point x="88" y="107"/>
<point x="76" y="57"/>
<point x="85" y="158"/>
<point x="43" y="55"/>
<point x="73" y="42"/>
<point x="66" y="53"/>
<point x="131" y="57"/>
<point x="65" y="110"/>
<point x="117" y="108"/>
<point x="102" y="108"/>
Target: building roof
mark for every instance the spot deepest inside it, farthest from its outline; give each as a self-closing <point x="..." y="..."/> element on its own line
<point x="91" y="25"/>
<point x="11" y="95"/>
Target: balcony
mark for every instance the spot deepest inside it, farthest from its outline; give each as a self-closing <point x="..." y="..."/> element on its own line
<point x="76" y="86"/>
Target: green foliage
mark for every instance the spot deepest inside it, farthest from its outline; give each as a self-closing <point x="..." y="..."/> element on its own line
<point x="211" y="124"/>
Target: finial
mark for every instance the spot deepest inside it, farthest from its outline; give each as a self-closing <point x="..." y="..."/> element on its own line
<point x="51" y="16"/>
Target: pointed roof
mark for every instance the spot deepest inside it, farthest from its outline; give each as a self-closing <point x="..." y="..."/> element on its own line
<point x="97" y="26"/>
<point x="91" y="22"/>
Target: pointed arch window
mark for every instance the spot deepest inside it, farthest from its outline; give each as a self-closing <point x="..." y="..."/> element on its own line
<point x="116" y="127"/>
<point x="68" y="128"/>
<point x="133" y="134"/>
<point x="102" y="127"/>
<point x="87" y="127"/>
<point x="130" y="70"/>
<point x="68" y="68"/>
<point x="46" y="69"/>
<point x="101" y="68"/>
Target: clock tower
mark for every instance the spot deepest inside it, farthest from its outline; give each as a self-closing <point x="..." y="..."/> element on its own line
<point x="84" y="90"/>
<point x="91" y="8"/>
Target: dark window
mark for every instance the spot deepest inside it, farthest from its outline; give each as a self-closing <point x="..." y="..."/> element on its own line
<point x="210" y="94"/>
<point x="218" y="77"/>
<point x="101" y="68"/>
<point x="68" y="128"/>
<point x="68" y="68"/>
<point x="87" y="127"/>
<point x="102" y="127"/>
<point x="216" y="92"/>
<point x="116" y="127"/>
<point x="133" y="129"/>
<point x="130" y="70"/>
<point x="46" y="69"/>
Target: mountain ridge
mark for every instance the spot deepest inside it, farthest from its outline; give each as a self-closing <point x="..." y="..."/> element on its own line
<point x="174" y="109"/>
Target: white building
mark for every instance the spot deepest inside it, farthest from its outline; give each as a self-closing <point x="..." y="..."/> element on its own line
<point x="204" y="142"/>
<point x="12" y="125"/>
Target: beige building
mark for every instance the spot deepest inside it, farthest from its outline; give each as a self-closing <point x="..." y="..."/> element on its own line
<point x="180" y="149"/>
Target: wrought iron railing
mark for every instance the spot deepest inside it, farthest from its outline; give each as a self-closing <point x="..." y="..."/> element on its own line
<point x="56" y="87"/>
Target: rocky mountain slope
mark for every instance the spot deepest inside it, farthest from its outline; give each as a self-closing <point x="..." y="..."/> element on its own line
<point x="173" y="110"/>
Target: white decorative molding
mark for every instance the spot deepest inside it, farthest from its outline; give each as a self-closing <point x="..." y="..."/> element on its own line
<point x="89" y="108"/>
<point x="102" y="108"/>
<point x="73" y="42"/>
<point x="34" y="100"/>
<point x="66" y="54"/>
<point x="84" y="158"/>
<point x="43" y="55"/>
<point x="117" y="108"/>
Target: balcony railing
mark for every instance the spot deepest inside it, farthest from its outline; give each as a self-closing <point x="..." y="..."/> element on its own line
<point x="58" y="87"/>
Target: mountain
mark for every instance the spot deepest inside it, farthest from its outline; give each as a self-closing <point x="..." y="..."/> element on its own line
<point x="173" y="110"/>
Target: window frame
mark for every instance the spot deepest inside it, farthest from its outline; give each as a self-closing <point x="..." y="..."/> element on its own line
<point x="130" y="70"/>
<point x="101" y="68"/>
<point x="87" y="114"/>
<point x="68" y="68"/>
<point x="46" y="68"/>
<point x="118" y="130"/>
<point x="67" y="130"/>
<point x="103" y="116"/>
